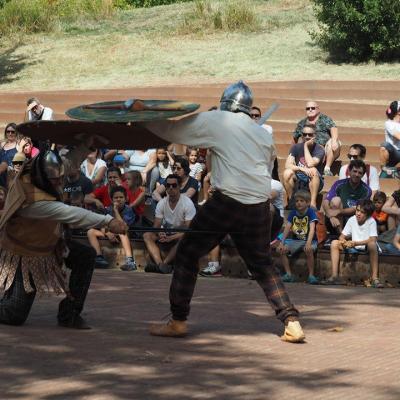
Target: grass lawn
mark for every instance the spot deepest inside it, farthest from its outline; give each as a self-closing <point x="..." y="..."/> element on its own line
<point x="147" y="47"/>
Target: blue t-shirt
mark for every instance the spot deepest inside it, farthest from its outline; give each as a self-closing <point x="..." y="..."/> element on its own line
<point x="301" y="223"/>
<point x="127" y="214"/>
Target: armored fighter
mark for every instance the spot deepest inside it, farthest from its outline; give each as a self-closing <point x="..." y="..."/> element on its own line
<point x="33" y="251"/>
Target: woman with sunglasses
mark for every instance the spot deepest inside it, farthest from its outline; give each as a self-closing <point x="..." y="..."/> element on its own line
<point x="8" y="150"/>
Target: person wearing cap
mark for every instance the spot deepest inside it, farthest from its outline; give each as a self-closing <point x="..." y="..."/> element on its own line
<point x="34" y="249"/>
<point x="242" y="158"/>
<point x="35" y="111"/>
<point x="390" y="148"/>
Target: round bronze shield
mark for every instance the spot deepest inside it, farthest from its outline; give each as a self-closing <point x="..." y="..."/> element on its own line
<point x="124" y="111"/>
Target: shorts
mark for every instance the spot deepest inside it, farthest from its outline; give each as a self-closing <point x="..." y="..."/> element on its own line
<point x="394" y="154"/>
<point x="353" y="250"/>
<point x="295" y="246"/>
<point x="305" y="179"/>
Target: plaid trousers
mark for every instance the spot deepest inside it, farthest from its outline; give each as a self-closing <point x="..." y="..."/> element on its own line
<point x="16" y="303"/>
<point x="224" y="215"/>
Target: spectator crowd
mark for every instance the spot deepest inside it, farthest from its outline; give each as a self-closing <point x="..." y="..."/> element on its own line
<point x="163" y="188"/>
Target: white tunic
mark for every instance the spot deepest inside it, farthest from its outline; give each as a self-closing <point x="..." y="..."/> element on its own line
<point x="242" y="152"/>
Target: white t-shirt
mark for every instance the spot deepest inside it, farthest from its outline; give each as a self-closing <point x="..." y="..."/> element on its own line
<point x="360" y="232"/>
<point x="279" y="201"/>
<point x="183" y="211"/>
<point x="46" y="116"/>
<point x="138" y="161"/>
<point x="98" y="164"/>
<point x="373" y="176"/>
<point x="242" y="152"/>
<point x="392" y="127"/>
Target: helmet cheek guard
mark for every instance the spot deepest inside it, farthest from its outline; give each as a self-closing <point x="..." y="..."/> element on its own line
<point x="237" y="97"/>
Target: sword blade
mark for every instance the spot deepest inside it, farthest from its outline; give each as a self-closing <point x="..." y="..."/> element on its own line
<point x="268" y="113"/>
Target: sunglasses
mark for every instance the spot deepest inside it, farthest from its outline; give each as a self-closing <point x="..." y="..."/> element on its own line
<point x="10" y="131"/>
<point x="311" y="108"/>
<point x="351" y="156"/>
<point x="255" y="116"/>
<point x="171" y="185"/>
<point x="307" y="134"/>
<point x="17" y="162"/>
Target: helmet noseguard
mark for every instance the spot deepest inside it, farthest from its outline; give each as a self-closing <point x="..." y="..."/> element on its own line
<point x="52" y="165"/>
<point x="237" y="97"/>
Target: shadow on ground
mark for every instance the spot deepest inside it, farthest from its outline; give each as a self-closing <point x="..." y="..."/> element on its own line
<point x="233" y="350"/>
<point x="11" y="64"/>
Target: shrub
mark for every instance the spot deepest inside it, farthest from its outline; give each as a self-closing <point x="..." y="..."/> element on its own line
<point x="152" y="3"/>
<point x="26" y="16"/>
<point x="358" y="30"/>
<point x="30" y="16"/>
<point x="232" y="15"/>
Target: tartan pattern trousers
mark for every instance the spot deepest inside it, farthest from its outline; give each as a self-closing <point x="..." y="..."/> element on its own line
<point x="16" y="303"/>
<point x="251" y="224"/>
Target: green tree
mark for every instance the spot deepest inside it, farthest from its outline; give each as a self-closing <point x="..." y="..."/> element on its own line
<point x="358" y="30"/>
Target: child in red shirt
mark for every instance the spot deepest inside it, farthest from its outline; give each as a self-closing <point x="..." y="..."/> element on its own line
<point x="379" y="216"/>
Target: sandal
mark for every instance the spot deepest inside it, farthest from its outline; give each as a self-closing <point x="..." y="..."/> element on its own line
<point x="333" y="280"/>
<point x="376" y="283"/>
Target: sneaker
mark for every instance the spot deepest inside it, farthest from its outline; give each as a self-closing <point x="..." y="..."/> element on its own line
<point x="328" y="172"/>
<point x="211" y="270"/>
<point x="130" y="265"/>
<point x="293" y="333"/>
<point x="100" y="262"/>
<point x="165" y="268"/>
<point x="172" y="328"/>
<point x="313" y="280"/>
<point x="377" y="284"/>
<point x="288" y="278"/>
<point x="151" y="267"/>
<point x="333" y="280"/>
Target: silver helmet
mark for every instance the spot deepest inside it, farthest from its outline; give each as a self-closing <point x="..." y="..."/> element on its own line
<point x="52" y="165"/>
<point x="237" y="97"/>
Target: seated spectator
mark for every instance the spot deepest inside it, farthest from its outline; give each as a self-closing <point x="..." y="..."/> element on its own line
<point x="358" y="235"/>
<point x="173" y="211"/>
<point x="76" y="182"/>
<point x="119" y="162"/>
<point x="300" y="226"/>
<point x="341" y="201"/>
<point x="371" y="177"/>
<point x="162" y="169"/>
<point x="196" y="169"/>
<point x="120" y="210"/>
<point x="25" y="146"/>
<point x="255" y="114"/>
<point x="136" y="193"/>
<point x="380" y="217"/>
<point x="188" y="185"/>
<point x="392" y="208"/>
<point x="142" y="161"/>
<point x="100" y="198"/>
<point x="304" y="166"/>
<point x="326" y="133"/>
<point x="8" y="150"/>
<point x="94" y="168"/>
<point x="17" y="162"/>
<point x="35" y="111"/>
<point x="390" y="148"/>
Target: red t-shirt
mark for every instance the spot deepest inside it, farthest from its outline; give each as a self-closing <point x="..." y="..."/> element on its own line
<point x="102" y="194"/>
<point x="139" y="210"/>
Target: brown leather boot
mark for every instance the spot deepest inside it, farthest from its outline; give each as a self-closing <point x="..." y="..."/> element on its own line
<point x="172" y="328"/>
<point x="293" y="332"/>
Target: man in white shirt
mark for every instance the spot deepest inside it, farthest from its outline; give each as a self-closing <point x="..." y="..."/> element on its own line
<point x="242" y="157"/>
<point x="35" y="111"/>
<point x="371" y="177"/>
<point x="173" y="211"/>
